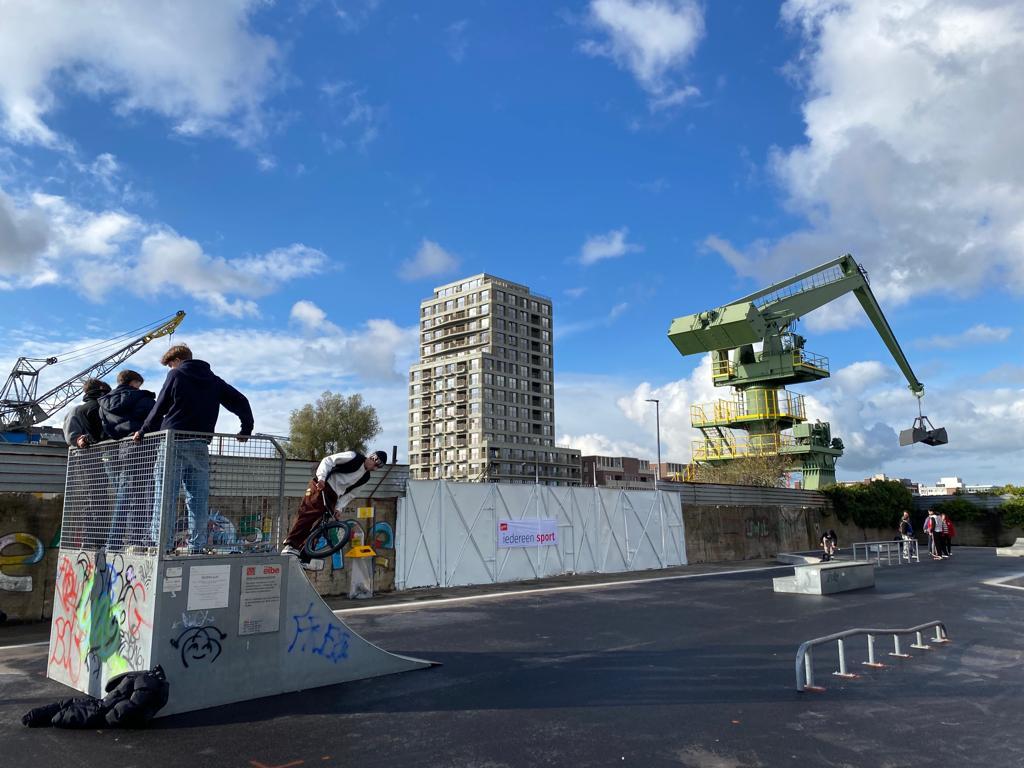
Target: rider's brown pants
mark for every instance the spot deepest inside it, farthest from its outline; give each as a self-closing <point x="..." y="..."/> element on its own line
<point x="311" y="511"/>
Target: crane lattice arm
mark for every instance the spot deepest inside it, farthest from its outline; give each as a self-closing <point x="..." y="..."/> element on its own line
<point x="19" y="406"/>
<point x="768" y="313"/>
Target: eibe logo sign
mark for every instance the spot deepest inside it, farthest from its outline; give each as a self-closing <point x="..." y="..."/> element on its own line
<point x="527" y="533"/>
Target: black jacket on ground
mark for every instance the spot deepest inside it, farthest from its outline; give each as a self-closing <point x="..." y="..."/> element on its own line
<point x="123" y="410"/>
<point x="190" y="399"/>
<point x="84" y="419"/>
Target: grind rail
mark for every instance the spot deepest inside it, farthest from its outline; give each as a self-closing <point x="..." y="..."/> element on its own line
<point x="805" y="653"/>
<point x="885" y="552"/>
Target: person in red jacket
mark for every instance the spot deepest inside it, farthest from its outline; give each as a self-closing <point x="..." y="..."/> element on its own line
<point x="948" y="533"/>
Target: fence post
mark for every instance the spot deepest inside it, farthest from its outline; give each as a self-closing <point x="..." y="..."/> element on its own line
<point x="896" y="648"/>
<point x="920" y="644"/>
<point x="168" y="511"/>
<point x="871" y="662"/>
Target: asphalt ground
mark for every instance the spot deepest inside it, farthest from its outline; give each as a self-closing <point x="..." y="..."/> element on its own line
<point x="670" y="672"/>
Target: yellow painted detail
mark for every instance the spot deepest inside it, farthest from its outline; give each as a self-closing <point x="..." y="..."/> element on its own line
<point x="731" y="447"/>
<point x="789" y="405"/>
<point x="362" y="512"/>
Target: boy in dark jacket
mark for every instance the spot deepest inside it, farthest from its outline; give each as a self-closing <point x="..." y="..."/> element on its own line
<point x="83" y="427"/>
<point x="122" y="413"/>
<point x="189" y="401"/>
<point x="86" y="501"/>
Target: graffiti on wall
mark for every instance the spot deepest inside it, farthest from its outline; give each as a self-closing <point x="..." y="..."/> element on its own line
<point x="19" y="583"/>
<point x="102" y="617"/>
<point x="199" y="643"/>
<point x="758" y="528"/>
<point x="382" y="535"/>
<point x="328" y="640"/>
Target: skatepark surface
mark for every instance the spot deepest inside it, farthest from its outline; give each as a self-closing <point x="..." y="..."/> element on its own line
<point x="696" y="669"/>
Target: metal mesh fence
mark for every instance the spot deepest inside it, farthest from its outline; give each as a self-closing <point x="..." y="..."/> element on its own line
<point x="178" y="492"/>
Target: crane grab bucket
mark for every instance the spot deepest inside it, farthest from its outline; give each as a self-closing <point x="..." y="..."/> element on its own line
<point x="923" y="432"/>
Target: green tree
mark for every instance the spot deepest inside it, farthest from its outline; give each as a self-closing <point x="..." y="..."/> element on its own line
<point x="878" y="504"/>
<point x="334" y="423"/>
<point x="960" y="509"/>
<point x="763" y="471"/>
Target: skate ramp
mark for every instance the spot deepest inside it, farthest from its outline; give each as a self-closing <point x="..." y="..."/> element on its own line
<point x="224" y="629"/>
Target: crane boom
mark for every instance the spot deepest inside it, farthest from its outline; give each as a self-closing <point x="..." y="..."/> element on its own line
<point x="772" y="310"/>
<point x="27" y="410"/>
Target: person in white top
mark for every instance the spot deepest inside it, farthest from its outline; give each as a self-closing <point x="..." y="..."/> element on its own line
<point x="334" y="485"/>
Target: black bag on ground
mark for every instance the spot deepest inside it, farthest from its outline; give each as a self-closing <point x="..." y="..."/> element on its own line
<point x="132" y="700"/>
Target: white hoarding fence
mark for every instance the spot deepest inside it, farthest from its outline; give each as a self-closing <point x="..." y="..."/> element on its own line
<point x="451" y="533"/>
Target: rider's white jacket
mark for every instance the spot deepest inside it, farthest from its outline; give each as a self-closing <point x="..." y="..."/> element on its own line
<point x="344" y="472"/>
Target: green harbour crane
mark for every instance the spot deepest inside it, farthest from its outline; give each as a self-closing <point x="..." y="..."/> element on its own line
<point x="763" y="418"/>
<point x="20" y="406"/>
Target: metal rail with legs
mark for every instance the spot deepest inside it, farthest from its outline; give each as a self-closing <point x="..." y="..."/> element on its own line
<point x="805" y="653"/>
<point x="885" y="552"/>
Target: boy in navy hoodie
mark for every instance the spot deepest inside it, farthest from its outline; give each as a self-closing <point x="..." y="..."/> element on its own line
<point x="189" y="401"/>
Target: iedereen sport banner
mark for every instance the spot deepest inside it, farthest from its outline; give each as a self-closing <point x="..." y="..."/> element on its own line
<point x="527" y="533"/>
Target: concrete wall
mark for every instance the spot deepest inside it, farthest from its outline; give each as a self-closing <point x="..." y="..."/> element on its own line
<point x="333" y="580"/>
<point x="29" y="523"/>
<point x="29" y="537"/>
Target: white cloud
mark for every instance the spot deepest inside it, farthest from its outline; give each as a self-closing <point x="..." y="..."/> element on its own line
<point x="976" y="334"/>
<point x="198" y="64"/>
<point x="675" y="399"/>
<point x="653" y="39"/>
<point x="308" y="315"/>
<point x="564" y="330"/>
<point x="593" y="444"/>
<point x="48" y="239"/>
<point x="278" y="371"/>
<point x="914" y="157"/>
<point x="610" y="245"/>
<point x="24" y="235"/>
<point x="456" y="41"/>
<point x="430" y="260"/>
<point x="867" y="404"/>
<point x="357" y="121"/>
<point x="575" y="293"/>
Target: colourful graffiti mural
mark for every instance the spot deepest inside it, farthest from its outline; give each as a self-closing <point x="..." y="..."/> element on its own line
<point x="382" y="536"/>
<point x="35" y="555"/>
<point x="102" y="617"/>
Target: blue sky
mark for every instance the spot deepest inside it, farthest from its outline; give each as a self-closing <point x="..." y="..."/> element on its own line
<point x="297" y="177"/>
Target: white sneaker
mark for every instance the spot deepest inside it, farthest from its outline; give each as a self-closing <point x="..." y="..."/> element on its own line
<point x="287" y="549"/>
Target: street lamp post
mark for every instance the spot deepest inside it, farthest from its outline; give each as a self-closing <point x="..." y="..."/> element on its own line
<point x="657" y="422"/>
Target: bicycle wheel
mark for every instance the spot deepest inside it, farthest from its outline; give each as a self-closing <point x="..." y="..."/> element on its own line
<point x="326" y="539"/>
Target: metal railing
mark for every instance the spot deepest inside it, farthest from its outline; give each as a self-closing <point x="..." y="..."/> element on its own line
<point x="785" y="405"/>
<point x="732" y="447"/>
<point x="884" y="552"/>
<point x="175" y="493"/>
<point x="805" y="653"/>
<point x="804" y="359"/>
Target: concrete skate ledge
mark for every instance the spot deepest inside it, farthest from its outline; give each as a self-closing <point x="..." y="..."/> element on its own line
<point x="827" y="578"/>
<point x="1016" y="550"/>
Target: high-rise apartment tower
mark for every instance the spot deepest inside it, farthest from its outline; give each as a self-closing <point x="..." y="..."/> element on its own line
<point x="481" y="399"/>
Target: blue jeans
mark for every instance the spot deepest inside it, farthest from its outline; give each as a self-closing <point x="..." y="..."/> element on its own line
<point x="132" y="479"/>
<point x="191" y="470"/>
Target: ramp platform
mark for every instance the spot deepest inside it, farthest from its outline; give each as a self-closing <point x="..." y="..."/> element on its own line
<point x="1016" y="550"/>
<point x="827" y="578"/>
<point x="235" y="621"/>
